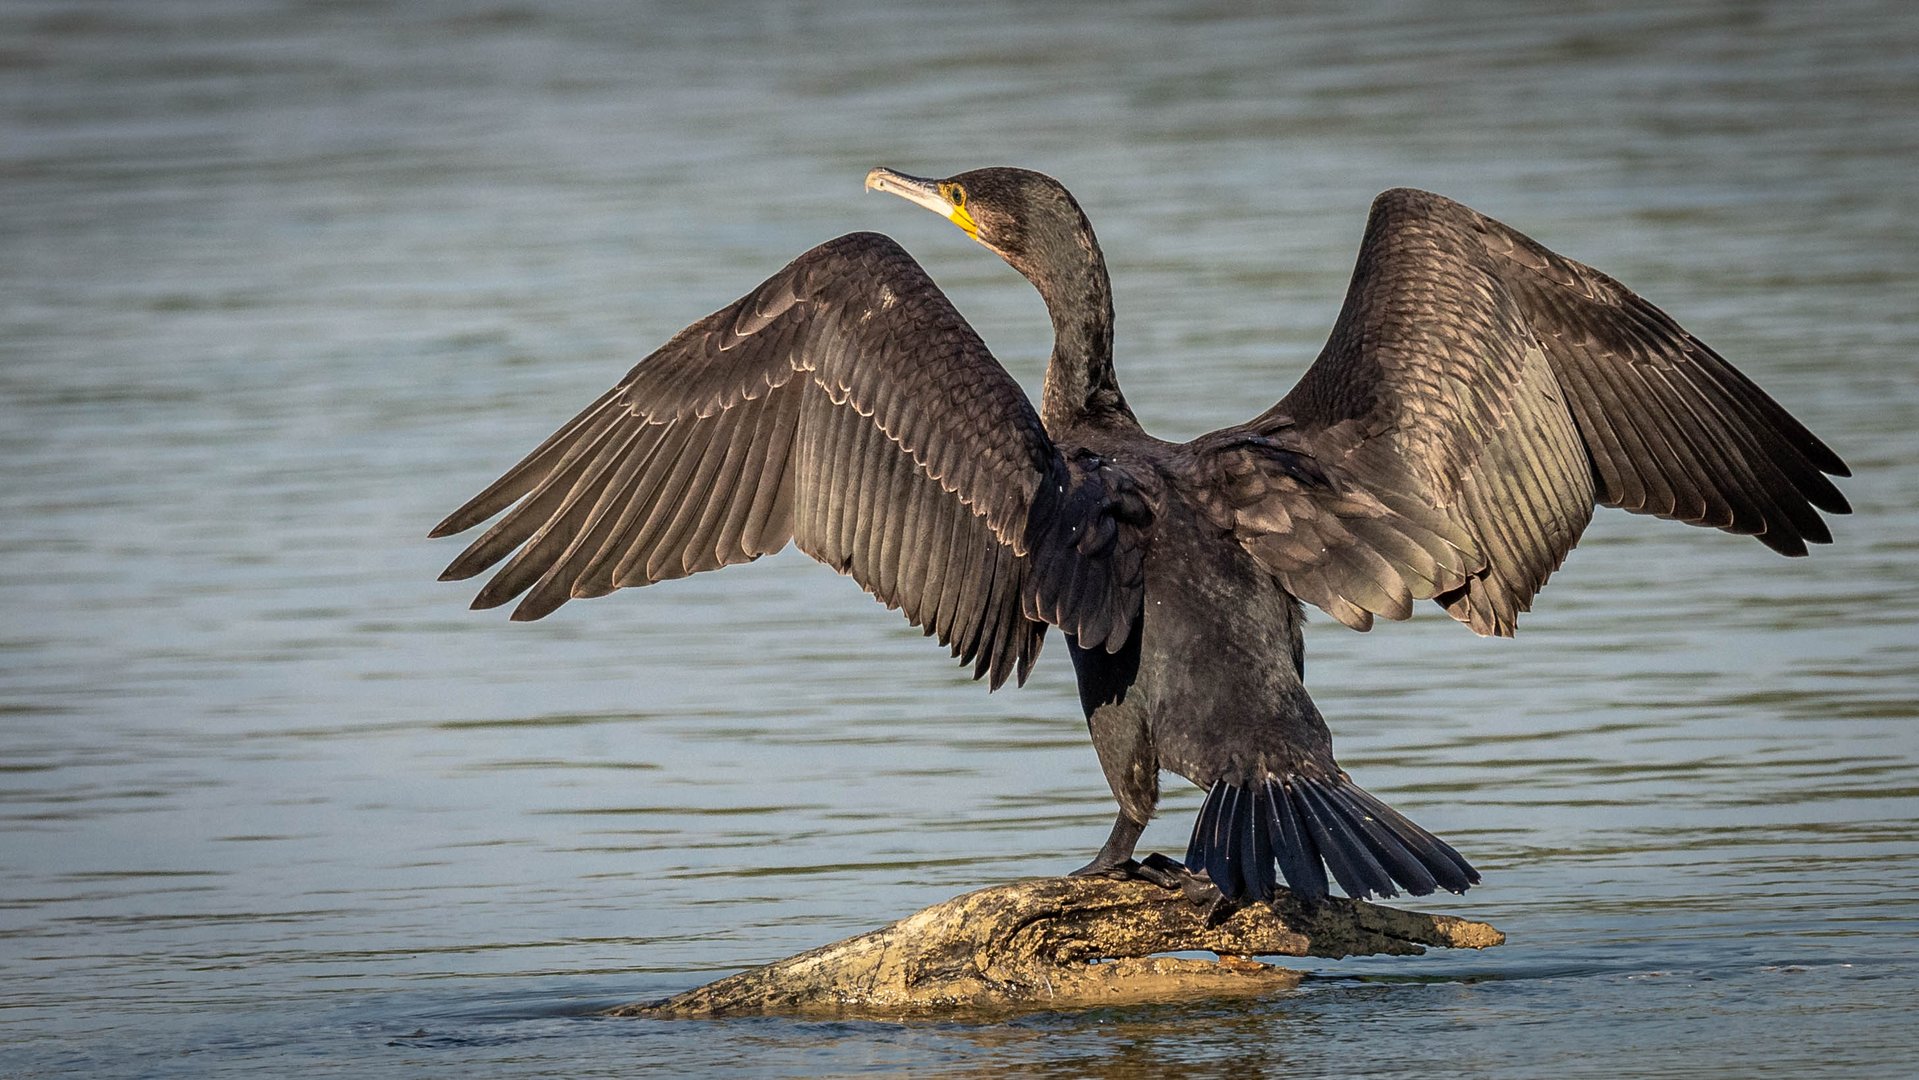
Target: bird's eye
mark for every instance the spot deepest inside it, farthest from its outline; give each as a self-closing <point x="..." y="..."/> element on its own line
<point x="957" y="196"/>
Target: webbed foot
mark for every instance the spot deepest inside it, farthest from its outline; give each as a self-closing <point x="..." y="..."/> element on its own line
<point x="1115" y="860"/>
<point x="1167" y="874"/>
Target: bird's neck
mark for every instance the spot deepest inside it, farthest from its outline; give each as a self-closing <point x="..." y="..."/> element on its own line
<point x="1081" y="388"/>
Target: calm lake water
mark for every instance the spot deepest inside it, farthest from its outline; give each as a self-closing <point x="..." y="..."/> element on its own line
<point x="283" y="283"/>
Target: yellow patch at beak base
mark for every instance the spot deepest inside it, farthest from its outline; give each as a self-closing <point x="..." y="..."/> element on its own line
<point x="943" y="197"/>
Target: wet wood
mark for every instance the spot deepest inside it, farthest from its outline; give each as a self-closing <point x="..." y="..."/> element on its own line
<point x="1065" y="942"/>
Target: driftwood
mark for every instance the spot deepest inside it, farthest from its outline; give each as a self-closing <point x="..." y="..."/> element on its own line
<point x="1065" y="942"/>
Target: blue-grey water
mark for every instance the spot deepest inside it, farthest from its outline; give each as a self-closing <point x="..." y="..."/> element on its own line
<point x="282" y="283"/>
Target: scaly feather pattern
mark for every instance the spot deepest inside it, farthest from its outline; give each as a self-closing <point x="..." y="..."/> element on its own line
<point x="845" y="406"/>
<point x="1476" y="377"/>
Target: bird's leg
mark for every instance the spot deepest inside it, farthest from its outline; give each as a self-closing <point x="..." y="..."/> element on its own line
<point x="1116" y="860"/>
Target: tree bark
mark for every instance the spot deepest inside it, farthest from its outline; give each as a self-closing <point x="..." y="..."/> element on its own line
<point x="1065" y="942"/>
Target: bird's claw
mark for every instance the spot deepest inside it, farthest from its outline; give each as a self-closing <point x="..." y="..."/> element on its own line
<point x="1167" y="873"/>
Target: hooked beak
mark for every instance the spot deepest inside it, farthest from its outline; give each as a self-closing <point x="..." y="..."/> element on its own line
<point x="922" y="192"/>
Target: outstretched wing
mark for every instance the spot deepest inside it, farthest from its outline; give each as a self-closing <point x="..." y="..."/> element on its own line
<point x="1476" y="379"/>
<point x="846" y="406"/>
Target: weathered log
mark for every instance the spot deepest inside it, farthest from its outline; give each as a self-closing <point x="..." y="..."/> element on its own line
<point x="1065" y="942"/>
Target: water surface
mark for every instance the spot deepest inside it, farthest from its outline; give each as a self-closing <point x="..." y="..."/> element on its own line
<point x="285" y="282"/>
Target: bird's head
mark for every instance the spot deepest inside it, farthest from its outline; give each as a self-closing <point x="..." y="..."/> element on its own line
<point x="1027" y="218"/>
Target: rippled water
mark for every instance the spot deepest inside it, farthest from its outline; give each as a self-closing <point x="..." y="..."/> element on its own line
<point x="285" y="282"/>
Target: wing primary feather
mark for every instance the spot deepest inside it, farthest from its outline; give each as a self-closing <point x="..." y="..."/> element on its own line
<point x="526" y="475"/>
<point x="1646" y="446"/>
<point x="1734" y="462"/>
<point x="560" y="531"/>
<point x="694" y="498"/>
<point x="1712" y="459"/>
<point x="1679" y="458"/>
<point x="596" y="578"/>
<point x="1005" y="616"/>
<point x="525" y="521"/>
<point x="1768" y="433"/>
<point x="1767" y="413"/>
<point x="533" y="511"/>
<point x="662" y="501"/>
<point x="1005" y="642"/>
<point x="555" y="585"/>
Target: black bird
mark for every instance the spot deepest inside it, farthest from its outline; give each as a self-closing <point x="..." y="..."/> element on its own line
<point x="1479" y="395"/>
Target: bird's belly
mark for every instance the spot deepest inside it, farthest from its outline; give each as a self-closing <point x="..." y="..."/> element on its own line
<point x="1215" y="689"/>
<point x="1217" y="631"/>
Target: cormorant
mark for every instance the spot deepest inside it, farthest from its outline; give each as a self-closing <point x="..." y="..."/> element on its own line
<point x="1478" y="396"/>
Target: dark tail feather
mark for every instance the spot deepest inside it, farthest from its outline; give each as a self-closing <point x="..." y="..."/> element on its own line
<point x="1204" y="853"/>
<point x="1298" y="854"/>
<point x="1230" y="842"/>
<point x="1303" y="826"/>
<point x="1449" y="869"/>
